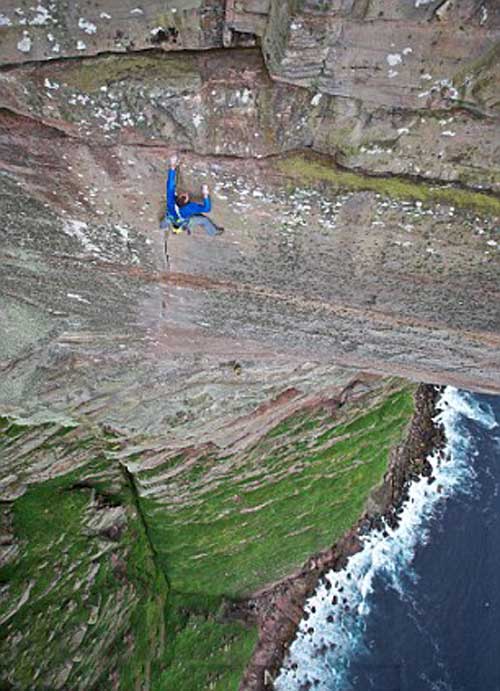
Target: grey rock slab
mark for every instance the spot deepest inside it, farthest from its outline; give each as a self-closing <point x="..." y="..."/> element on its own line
<point x="450" y="144"/>
<point x="395" y="55"/>
<point x="303" y="274"/>
<point x="343" y="285"/>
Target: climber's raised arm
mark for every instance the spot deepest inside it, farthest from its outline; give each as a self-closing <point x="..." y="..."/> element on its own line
<point x="171" y="185"/>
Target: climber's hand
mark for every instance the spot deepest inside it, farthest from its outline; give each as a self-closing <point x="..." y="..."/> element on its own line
<point x="174" y="161"/>
<point x="204" y="190"/>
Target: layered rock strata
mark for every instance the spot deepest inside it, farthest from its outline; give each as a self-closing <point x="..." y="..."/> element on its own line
<point x="53" y="29"/>
<point x="200" y="415"/>
<point x="393" y="88"/>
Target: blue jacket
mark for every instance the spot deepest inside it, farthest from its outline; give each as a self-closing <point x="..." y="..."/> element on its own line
<point x="183" y="213"/>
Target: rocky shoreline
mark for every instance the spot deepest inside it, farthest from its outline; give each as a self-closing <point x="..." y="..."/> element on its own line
<point x="279" y="609"/>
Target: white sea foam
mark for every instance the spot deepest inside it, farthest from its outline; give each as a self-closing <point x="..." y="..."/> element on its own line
<point x="332" y="629"/>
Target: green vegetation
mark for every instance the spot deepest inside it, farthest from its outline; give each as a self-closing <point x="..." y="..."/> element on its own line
<point x="202" y="651"/>
<point x="145" y="604"/>
<point x="97" y="595"/>
<point x="101" y="600"/>
<point x="89" y="76"/>
<point x="293" y="494"/>
<point x="313" y="170"/>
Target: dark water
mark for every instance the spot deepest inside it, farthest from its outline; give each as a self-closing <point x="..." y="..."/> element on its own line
<point x="443" y="634"/>
<point x="419" y="608"/>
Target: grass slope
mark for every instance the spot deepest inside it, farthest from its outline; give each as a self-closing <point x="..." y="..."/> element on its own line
<point x="95" y="602"/>
<point x="238" y="524"/>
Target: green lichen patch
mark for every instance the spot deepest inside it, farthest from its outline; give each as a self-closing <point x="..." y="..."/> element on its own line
<point x="89" y="75"/>
<point x="308" y="170"/>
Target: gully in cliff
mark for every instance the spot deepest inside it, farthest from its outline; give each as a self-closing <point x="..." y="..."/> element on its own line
<point x="183" y="214"/>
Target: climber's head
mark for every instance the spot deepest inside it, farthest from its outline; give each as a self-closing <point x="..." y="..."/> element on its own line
<point x="182" y="199"/>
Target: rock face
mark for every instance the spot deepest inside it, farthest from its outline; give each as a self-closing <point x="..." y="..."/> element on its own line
<point x="301" y="275"/>
<point x="401" y="88"/>
<point x="199" y="415"/>
<point x="415" y="84"/>
<point x="60" y="29"/>
<point x="203" y="102"/>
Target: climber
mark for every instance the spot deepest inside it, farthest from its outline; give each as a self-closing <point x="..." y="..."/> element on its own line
<point x="182" y="214"/>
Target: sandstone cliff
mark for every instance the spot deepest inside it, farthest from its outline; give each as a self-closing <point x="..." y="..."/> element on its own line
<point x="187" y="420"/>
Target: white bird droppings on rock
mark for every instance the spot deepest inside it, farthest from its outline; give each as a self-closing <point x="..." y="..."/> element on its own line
<point x="24" y="45"/>
<point x="394" y="59"/>
<point x="86" y="26"/>
<point x="245" y="97"/>
<point x="42" y="16"/>
<point x="76" y="229"/>
<point x="75" y="296"/>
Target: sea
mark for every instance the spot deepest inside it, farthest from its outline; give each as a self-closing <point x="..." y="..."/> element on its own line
<point x="418" y="609"/>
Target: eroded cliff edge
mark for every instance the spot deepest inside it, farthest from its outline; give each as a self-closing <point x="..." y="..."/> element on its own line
<point x="176" y="405"/>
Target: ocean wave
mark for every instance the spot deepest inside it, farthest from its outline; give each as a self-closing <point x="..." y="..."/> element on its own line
<point x="331" y="632"/>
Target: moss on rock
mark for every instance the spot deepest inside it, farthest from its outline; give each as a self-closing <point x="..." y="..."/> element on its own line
<point x="89" y="75"/>
<point x="311" y="170"/>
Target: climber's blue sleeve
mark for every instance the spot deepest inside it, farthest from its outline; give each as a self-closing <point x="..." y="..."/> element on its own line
<point x="193" y="208"/>
<point x="171" y="192"/>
